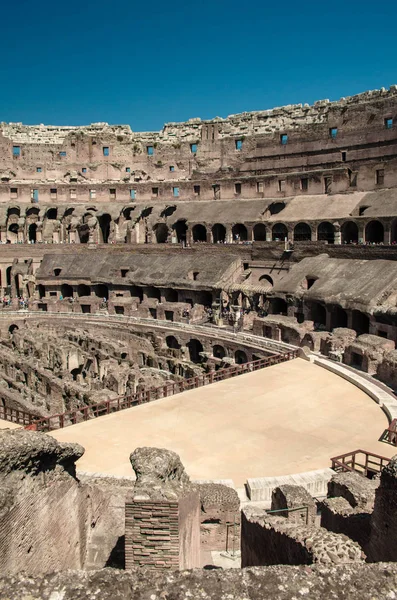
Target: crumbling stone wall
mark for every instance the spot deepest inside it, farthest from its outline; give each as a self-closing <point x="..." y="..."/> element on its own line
<point x="283" y="582"/>
<point x="220" y="517"/>
<point x="382" y="544"/>
<point x="48" y="519"/>
<point x="269" y="540"/>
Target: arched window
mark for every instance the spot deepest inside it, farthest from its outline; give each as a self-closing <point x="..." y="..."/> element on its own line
<point x="180" y="228"/>
<point x="161" y="233"/>
<point x="349" y="232"/>
<point x="279" y="232"/>
<point x="218" y="351"/>
<point x="104" y="228"/>
<point x="240" y="357"/>
<point x="32" y="232"/>
<point x="374" y="232"/>
<point x="260" y="232"/>
<point x="195" y="347"/>
<point x="219" y="233"/>
<point x="239" y="233"/>
<point x="326" y="232"/>
<point x="302" y="233"/>
<point x="172" y="342"/>
<point x="199" y="233"/>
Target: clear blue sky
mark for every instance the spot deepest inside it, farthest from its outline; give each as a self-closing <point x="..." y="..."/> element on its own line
<point x="145" y="63"/>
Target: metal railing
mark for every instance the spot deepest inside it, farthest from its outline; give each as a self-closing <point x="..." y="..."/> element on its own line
<point x="85" y="413"/>
<point x="15" y="415"/>
<point x="362" y="462"/>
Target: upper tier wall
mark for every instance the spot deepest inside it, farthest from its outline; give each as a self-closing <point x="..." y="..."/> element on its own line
<point x="347" y="140"/>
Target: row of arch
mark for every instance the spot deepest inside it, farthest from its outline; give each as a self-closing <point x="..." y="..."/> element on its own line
<point x="373" y="233"/>
<point x="195" y="348"/>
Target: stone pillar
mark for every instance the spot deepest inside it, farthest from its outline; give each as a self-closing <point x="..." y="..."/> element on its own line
<point x="337" y="234"/>
<point x="162" y="527"/>
<point x="387" y="234"/>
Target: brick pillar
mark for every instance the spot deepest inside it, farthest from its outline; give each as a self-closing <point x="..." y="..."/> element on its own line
<point x="161" y="533"/>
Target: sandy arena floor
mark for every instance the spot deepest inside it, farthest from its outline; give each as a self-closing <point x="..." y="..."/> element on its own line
<point x="283" y="419"/>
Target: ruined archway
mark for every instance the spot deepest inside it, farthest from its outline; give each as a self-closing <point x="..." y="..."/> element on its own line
<point x="374" y="232"/>
<point x="32" y="232"/>
<point x="195" y="347"/>
<point x="199" y="233"/>
<point x="172" y="342"/>
<point x="302" y="232"/>
<point x="338" y="317"/>
<point x="180" y="229"/>
<point x="279" y="232"/>
<point x="102" y="291"/>
<point x="219" y="233"/>
<point x="240" y="357"/>
<point x="104" y="228"/>
<point x="239" y="233"/>
<point x="360" y="322"/>
<point x="161" y="232"/>
<point x="260" y="232"/>
<point x="218" y="351"/>
<point x="83" y="290"/>
<point x="349" y="232"/>
<point x="318" y="313"/>
<point x="66" y="290"/>
<point x="326" y="232"/>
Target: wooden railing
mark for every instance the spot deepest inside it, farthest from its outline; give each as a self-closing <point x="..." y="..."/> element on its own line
<point x="15" y="415"/>
<point x="391" y="433"/>
<point x="362" y="462"/>
<point x="84" y="413"/>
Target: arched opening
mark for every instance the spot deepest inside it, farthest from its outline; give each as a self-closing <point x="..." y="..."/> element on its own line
<point x="8" y="275"/>
<point x="84" y="234"/>
<point x="13" y="233"/>
<point x="302" y="233"/>
<point x="349" y="233"/>
<point x="168" y="211"/>
<point x="32" y="212"/>
<point x="170" y="295"/>
<point x="276" y="207"/>
<point x="239" y="233"/>
<point x="195" y="347"/>
<point x="152" y="292"/>
<point x="278" y="306"/>
<point x="219" y="233"/>
<point x="13" y="328"/>
<point x="266" y="282"/>
<point x="52" y="213"/>
<point x="260" y="232"/>
<point x="66" y="290"/>
<point x="161" y="233"/>
<point x="279" y="232"/>
<point x="205" y="299"/>
<point x="199" y="233"/>
<point x="318" y="313"/>
<point x="32" y="232"/>
<point x="360" y="322"/>
<point x="83" y="290"/>
<point x="127" y="212"/>
<point x="137" y="292"/>
<point x="338" y="317"/>
<point x="14" y="211"/>
<point x="104" y="228"/>
<point x="374" y="232"/>
<point x="218" y="351"/>
<point x="172" y="342"/>
<point x="102" y="291"/>
<point x="326" y="232"/>
<point x="41" y="290"/>
<point x="240" y="357"/>
<point x="180" y="229"/>
<point x="394" y="232"/>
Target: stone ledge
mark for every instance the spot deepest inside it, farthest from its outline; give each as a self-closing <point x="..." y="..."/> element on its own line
<point x="260" y="489"/>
